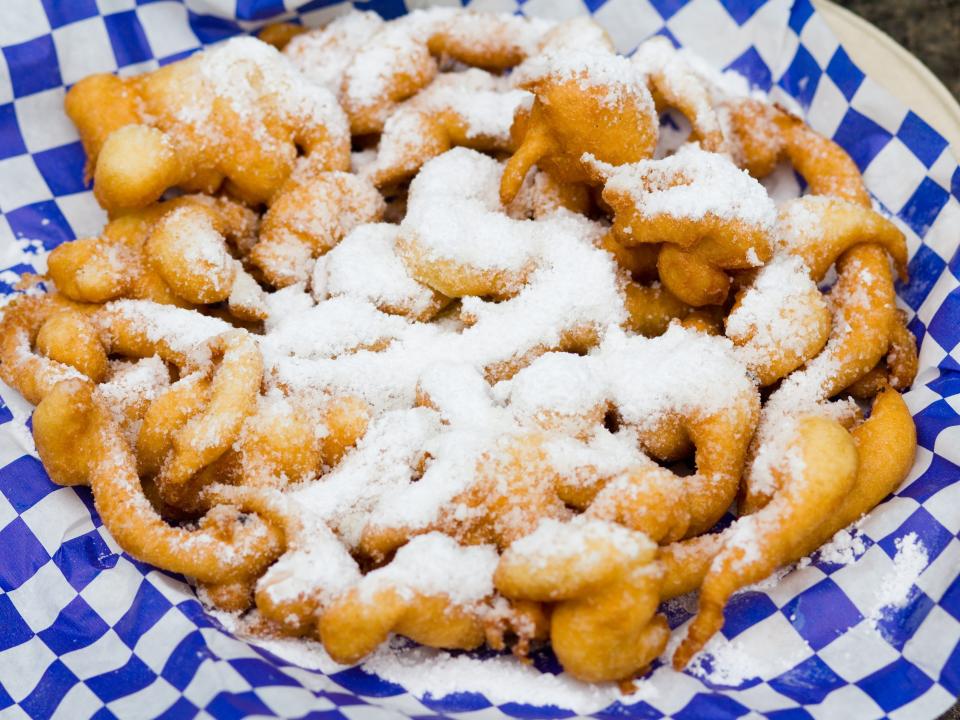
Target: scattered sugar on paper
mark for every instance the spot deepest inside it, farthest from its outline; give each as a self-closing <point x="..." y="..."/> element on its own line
<point x="501" y="679"/>
<point x="303" y="652"/>
<point x="31" y="246"/>
<point x="16" y="430"/>
<point x="20" y="250"/>
<point x="844" y="548"/>
<point x="733" y="662"/>
<point x="428" y="672"/>
<point x="896" y="586"/>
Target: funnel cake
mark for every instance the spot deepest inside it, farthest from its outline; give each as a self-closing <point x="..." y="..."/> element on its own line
<point x="493" y="377"/>
<point x="237" y="113"/>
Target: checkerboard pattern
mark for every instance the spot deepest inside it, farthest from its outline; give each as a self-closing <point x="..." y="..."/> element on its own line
<point x="86" y="631"/>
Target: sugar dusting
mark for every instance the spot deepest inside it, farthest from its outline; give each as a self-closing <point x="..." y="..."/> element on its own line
<point x="427" y="672"/>
<point x="501" y="679"/>
<point x="692" y="184"/>
<point x="896" y="586"/>
<point x="609" y="77"/>
<point x="249" y="77"/>
<point x="365" y="266"/>
<point x="777" y="313"/>
<point x="434" y="564"/>
<point x="844" y="547"/>
<point x="733" y="662"/>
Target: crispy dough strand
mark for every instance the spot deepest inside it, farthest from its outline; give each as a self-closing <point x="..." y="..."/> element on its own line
<point x="206" y="436"/>
<point x="820" y="468"/>
<point x="220" y="550"/>
<point x="33" y="374"/>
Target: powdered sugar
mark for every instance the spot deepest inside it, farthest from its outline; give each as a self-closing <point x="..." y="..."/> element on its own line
<point x="250" y="76"/>
<point x="393" y="50"/>
<point x="454" y="213"/>
<point x="843" y="548"/>
<point x="459" y="393"/>
<point x="433" y="564"/>
<point x="771" y="447"/>
<point x="133" y="384"/>
<point x="426" y="671"/>
<point x="192" y="237"/>
<point x="365" y="266"/>
<point x="472" y="106"/>
<point x="501" y="679"/>
<point x="453" y="459"/>
<point x="182" y="330"/>
<point x="692" y="184"/>
<point x="798" y="220"/>
<point x="245" y="294"/>
<point x="745" y="535"/>
<point x="604" y="453"/>
<point x="681" y="371"/>
<point x="732" y="662"/>
<point x="582" y="541"/>
<point x="777" y="313"/>
<point x="359" y="56"/>
<point x="557" y="382"/>
<point x="334" y="327"/>
<point x="386" y="457"/>
<point x="316" y="566"/>
<point x="610" y="77"/>
<point x="896" y="587"/>
<point x="485" y="103"/>
<point x="324" y="55"/>
<point x="577" y="33"/>
<point x="658" y="58"/>
<point x="486" y="31"/>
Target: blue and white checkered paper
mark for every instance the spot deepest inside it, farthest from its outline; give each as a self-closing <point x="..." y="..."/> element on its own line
<point x="87" y="631"/>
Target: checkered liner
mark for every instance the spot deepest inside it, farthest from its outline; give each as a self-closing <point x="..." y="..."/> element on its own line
<point x="86" y="630"/>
